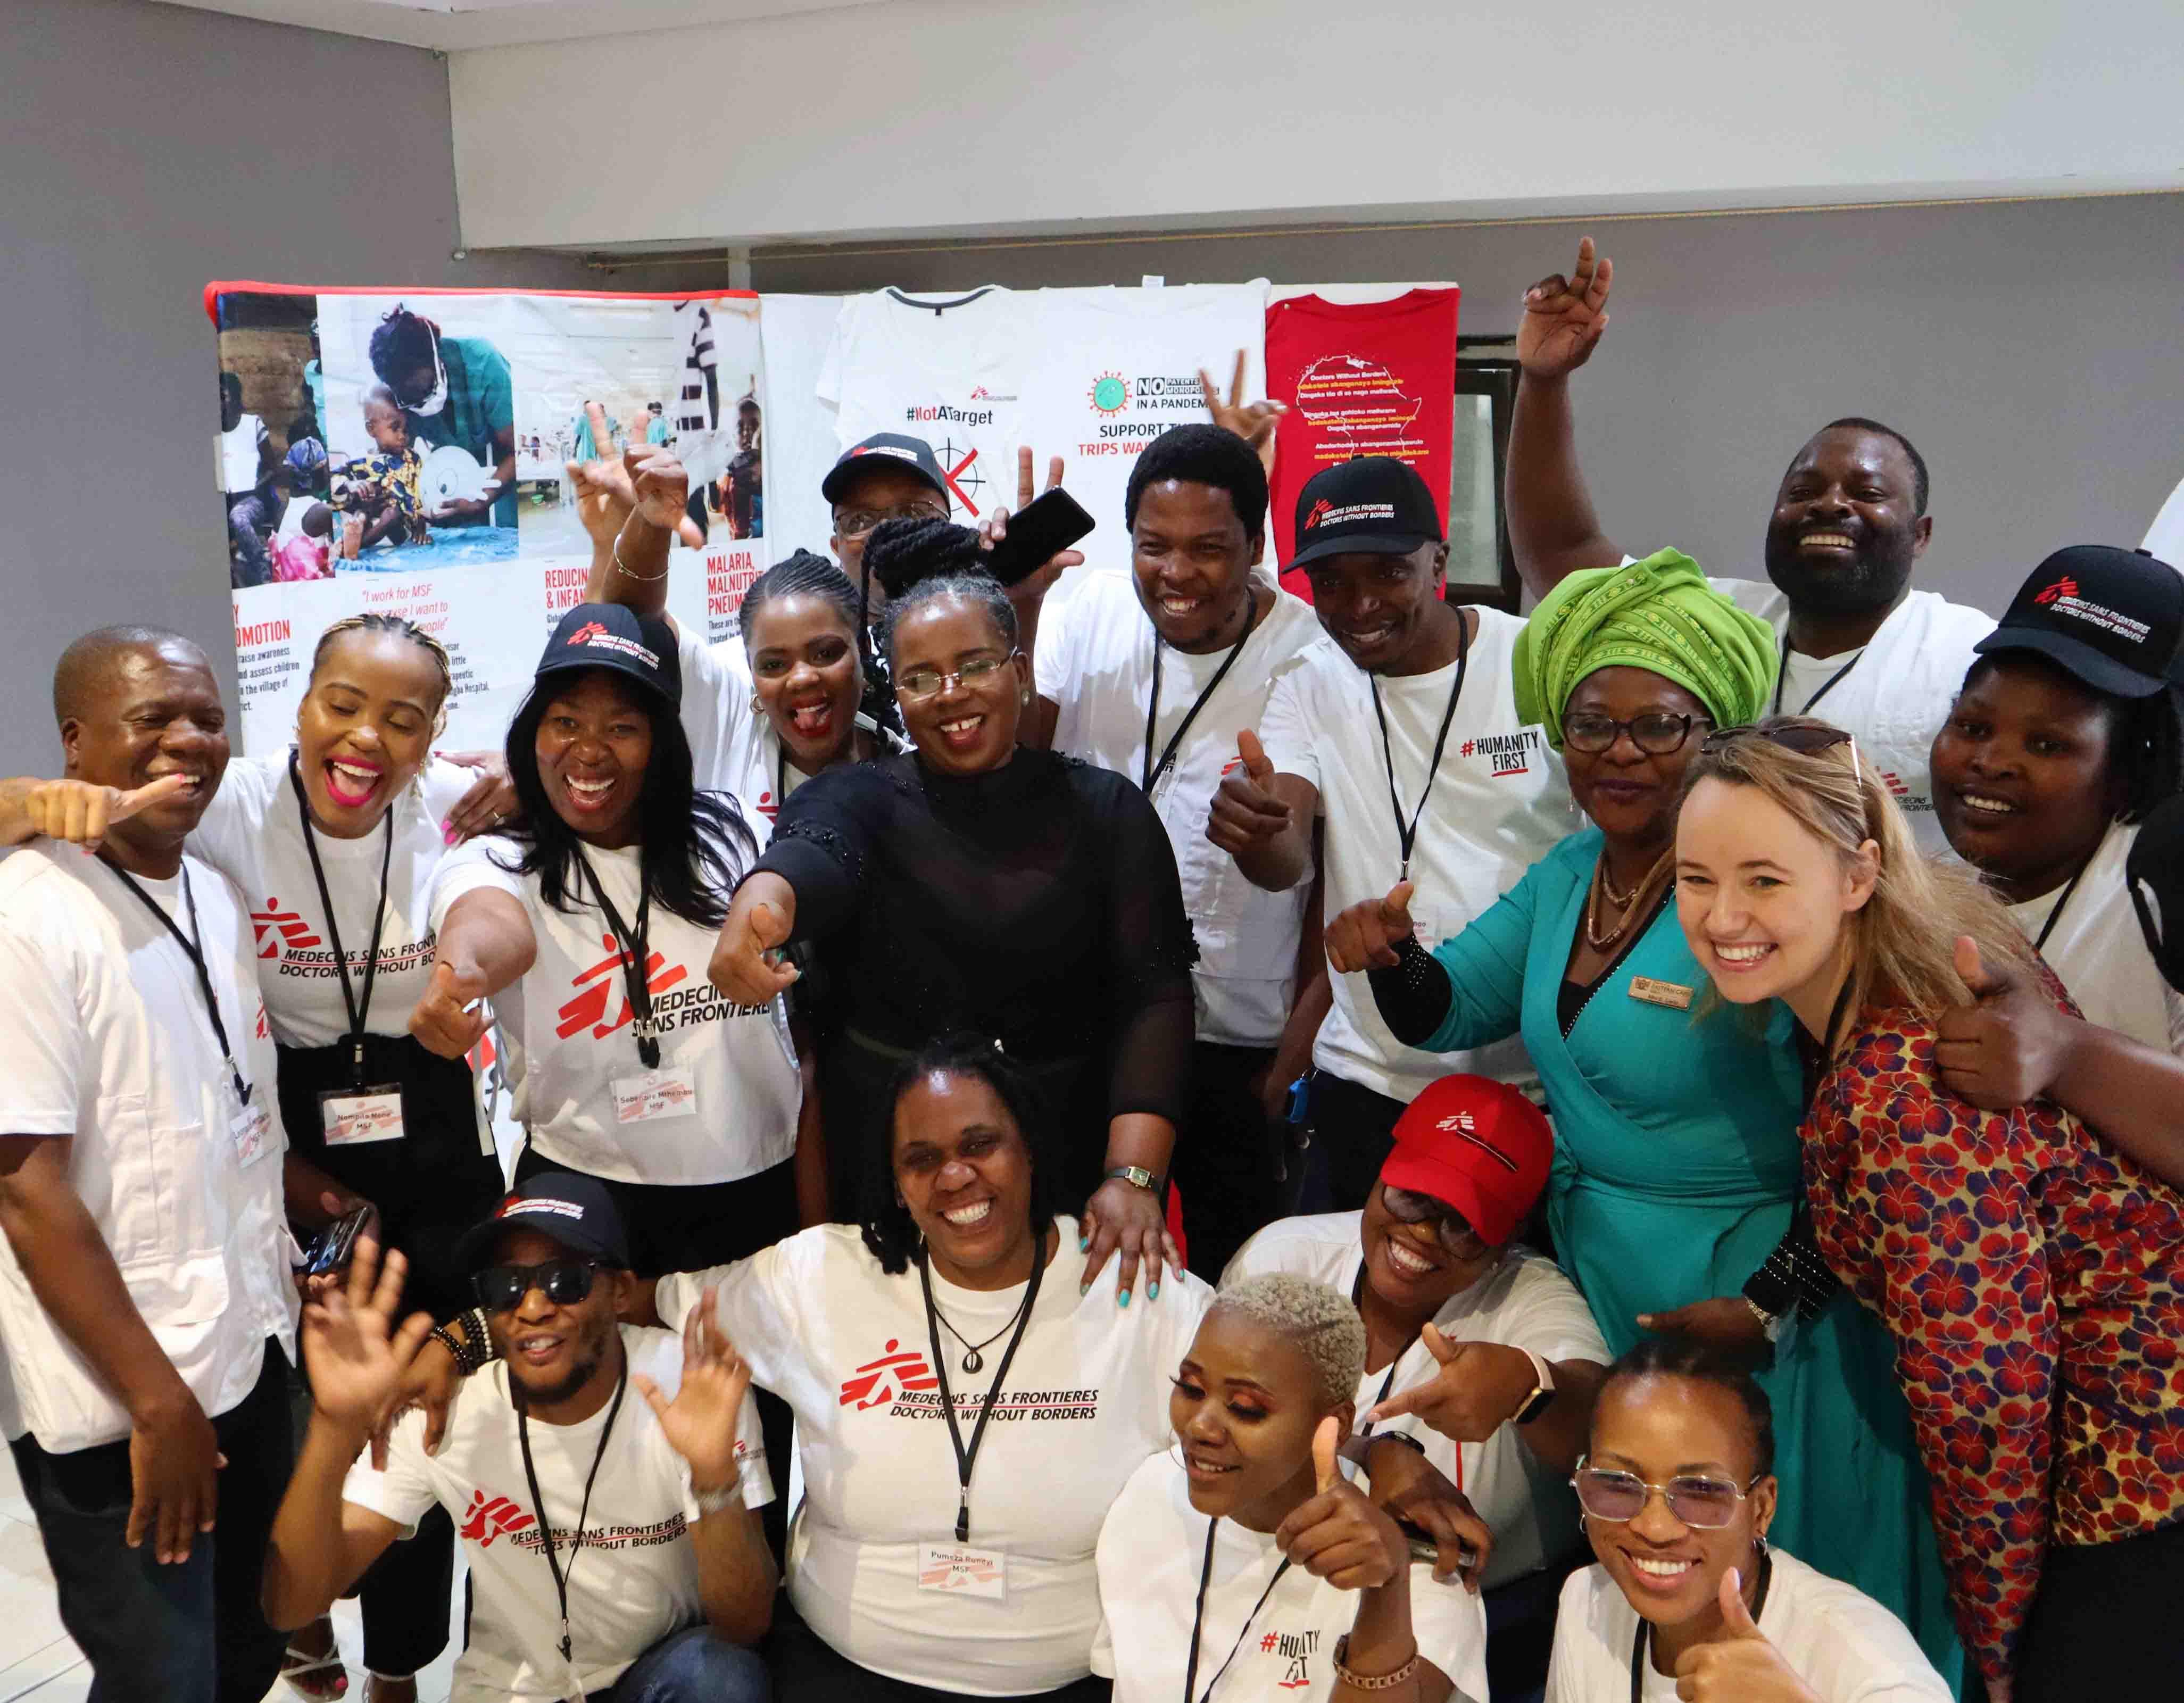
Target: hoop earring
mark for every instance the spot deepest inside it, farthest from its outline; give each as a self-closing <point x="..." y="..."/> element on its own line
<point x="1759" y="1543"/>
<point x="754" y="708"/>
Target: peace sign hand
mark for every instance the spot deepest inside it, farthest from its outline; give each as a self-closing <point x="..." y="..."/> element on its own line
<point x="1564" y="317"/>
<point x="994" y="528"/>
<point x="1254" y="422"/>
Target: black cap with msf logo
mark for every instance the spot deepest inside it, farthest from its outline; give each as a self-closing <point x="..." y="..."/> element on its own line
<point x="1374" y="506"/>
<point x="577" y="1211"/>
<point x="608" y="636"/>
<point x="913" y="454"/>
<point x="2113" y="618"/>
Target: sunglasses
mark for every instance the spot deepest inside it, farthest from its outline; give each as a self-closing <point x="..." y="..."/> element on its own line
<point x="501" y="1288"/>
<point x="1805" y="738"/>
<point x="1451" y="1226"/>
<point x="1704" y="1504"/>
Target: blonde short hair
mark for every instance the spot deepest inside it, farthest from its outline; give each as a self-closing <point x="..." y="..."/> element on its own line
<point x="1319" y="1320"/>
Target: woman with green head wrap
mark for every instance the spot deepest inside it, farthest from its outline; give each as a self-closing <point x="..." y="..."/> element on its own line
<point x="1676" y="1173"/>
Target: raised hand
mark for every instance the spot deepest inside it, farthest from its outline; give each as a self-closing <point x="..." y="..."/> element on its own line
<point x="1742" y="1666"/>
<point x="450" y="1017"/>
<point x="659" y="489"/>
<point x="1245" y="813"/>
<point x="353" y="1349"/>
<point x="1254" y="422"/>
<point x="1337" y="1534"/>
<point x="80" y="812"/>
<point x="1364" y="936"/>
<point x="1564" y="317"/>
<point x="491" y="800"/>
<point x="700" y="1423"/>
<point x="994" y="528"/>
<point x="746" y="965"/>
<point x="1477" y="1388"/>
<point x="602" y="489"/>
<point x="2005" y="1047"/>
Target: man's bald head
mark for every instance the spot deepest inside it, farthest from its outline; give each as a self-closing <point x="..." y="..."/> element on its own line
<point x="85" y="672"/>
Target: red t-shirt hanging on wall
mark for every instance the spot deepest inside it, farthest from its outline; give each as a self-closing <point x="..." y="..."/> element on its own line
<point x="1365" y="378"/>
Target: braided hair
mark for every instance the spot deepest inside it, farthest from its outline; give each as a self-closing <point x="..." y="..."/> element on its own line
<point x="401" y="628"/>
<point x="900" y="553"/>
<point x="802" y="574"/>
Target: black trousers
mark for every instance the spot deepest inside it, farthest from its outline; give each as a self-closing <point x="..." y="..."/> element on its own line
<point x="1350" y="1127"/>
<point x="191" y="1633"/>
<point x="2106" y="1620"/>
<point x="1232" y="1164"/>
<point x="808" y="1669"/>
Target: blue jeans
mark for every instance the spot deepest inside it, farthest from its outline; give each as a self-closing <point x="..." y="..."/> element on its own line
<point x="695" y="1665"/>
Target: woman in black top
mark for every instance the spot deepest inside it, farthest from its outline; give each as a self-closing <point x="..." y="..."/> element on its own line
<point x="977" y="885"/>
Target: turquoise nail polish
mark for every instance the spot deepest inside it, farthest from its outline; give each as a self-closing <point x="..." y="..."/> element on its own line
<point x="1083" y="1243"/>
<point x="1126" y="1297"/>
<point x="1153" y="1293"/>
<point x="1084" y="1288"/>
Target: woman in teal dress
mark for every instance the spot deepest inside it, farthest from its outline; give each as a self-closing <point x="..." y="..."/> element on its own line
<point x="1676" y="1170"/>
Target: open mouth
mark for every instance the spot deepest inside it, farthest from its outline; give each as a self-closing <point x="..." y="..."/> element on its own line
<point x="536" y="1348"/>
<point x="1407" y="1263"/>
<point x="1179" y="606"/>
<point x="1987" y="805"/>
<point x="588" y="795"/>
<point x="1827" y="540"/>
<point x="1660" y="1573"/>
<point x="1366" y="637"/>
<point x="350" y="783"/>
<point x="969" y="1216"/>
<point x="961" y="733"/>
<point x="194" y="790"/>
<point x="1202" y="1469"/>
<point x="1741" y="957"/>
<point x="812" y="720"/>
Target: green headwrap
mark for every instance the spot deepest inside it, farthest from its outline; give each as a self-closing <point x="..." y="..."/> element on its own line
<point x="1659" y="614"/>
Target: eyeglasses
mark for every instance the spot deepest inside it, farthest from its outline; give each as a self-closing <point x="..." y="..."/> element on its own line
<point x="1704" y="1504"/>
<point x="1656" y="733"/>
<point x="1452" y="1228"/>
<point x="501" y="1288"/>
<point x="1805" y="738"/>
<point x="926" y="682"/>
<point x="858" y="523"/>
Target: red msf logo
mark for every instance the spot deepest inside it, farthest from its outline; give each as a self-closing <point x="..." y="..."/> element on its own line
<point x="1319" y="513"/>
<point x="589" y="1007"/>
<point x="2064" y="587"/>
<point x="877" y="1381"/>
<point x="768" y="805"/>
<point x="1461" y="1122"/>
<point x="491" y="1517"/>
<point x="288" y="924"/>
<point x="588" y="631"/>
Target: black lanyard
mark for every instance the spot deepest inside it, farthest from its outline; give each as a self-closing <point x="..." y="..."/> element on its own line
<point x="1191" y="1695"/>
<point x="965" y="1459"/>
<point x="634" y="961"/>
<point x="358" y="1010"/>
<point x="1638" y="1643"/>
<point x="1387" y="1383"/>
<point x="1406" y="835"/>
<point x="1149" y="771"/>
<point x="189" y="943"/>
<point x="2055" y="915"/>
<point x="1782" y="676"/>
<point x="583" y="1508"/>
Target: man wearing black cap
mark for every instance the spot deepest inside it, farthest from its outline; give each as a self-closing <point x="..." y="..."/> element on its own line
<point x="1399" y="731"/>
<point x="612" y="1546"/>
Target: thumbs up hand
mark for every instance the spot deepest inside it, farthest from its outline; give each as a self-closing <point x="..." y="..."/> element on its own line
<point x="747" y="964"/>
<point x="1337" y="1534"/>
<point x="2008" y="1043"/>
<point x="1478" y="1389"/>
<point x="451" y="1015"/>
<point x="1741" y="1665"/>
<point x="1246" y="812"/>
<point x="1366" y="935"/>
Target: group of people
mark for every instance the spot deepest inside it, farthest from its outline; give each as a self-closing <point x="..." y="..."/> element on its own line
<point x="1311" y="1119"/>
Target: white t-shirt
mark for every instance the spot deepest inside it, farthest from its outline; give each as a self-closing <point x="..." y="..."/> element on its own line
<point x="636" y="1579"/>
<point x="108" y="1041"/>
<point x="947" y="369"/>
<point x="848" y="1348"/>
<point x="252" y="831"/>
<point x="1111" y="368"/>
<point x="1095" y="663"/>
<point x="1498" y="804"/>
<point x="1152" y="1549"/>
<point x="1837" y="1639"/>
<point x="239" y="446"/>
<point x="723" y="1104"/>
<point x="291" y="523"/>
<point x="2099" y="950"/>
<point x="1896" y="696"/>
<point x="733" y="749"/>
<point x="1524" y="1302"/>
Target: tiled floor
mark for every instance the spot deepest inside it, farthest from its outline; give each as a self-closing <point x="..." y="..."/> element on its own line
<point x="40" y="1663"/>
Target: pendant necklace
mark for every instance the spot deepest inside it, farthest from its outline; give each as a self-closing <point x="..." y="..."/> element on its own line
<point x="972" y="1360"/>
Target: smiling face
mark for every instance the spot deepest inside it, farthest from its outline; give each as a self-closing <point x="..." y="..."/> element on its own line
<point x="889" y="490"/>
<point x="1242" y="1406"/>
<point x="1844" y="531"/>
<point x="805" y="670"/>
<point x="969" y="726"/>
<point x="1379" y="607"/>
<point x="1631" y="793"/>
<point x="1192" y="560"/>
<point x="962" y="1169"/>
<point x="2023" y="779"/>
<point x="553" y="1350"/>
<point x="364" y="728"/>
<point x="1408" y="1267"/>
<point x="157" y="712"/>
<point x="1659" y="1427"/>
<point x="593" y="742"/>
<point x="1762" y="900"/>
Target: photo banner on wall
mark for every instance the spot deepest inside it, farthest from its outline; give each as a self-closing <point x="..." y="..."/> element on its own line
<point x="1363" y="378"/>
<point x="405" y="452"/>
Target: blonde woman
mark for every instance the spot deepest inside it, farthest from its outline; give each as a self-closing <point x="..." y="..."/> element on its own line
<point x="2033" y="1279"/>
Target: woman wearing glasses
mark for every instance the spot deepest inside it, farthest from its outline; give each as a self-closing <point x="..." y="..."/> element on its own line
<point x="2033" y="1280"/>
<point x="1676" y="1160"/>
<point x="1689" y="1599"/>
<point x="978" y="885"/>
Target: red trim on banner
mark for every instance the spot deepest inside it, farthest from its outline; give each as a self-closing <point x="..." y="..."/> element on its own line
<point x="220" y="286"/>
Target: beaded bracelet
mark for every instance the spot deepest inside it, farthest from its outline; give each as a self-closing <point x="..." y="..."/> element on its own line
<point x="1371" y="1682"/>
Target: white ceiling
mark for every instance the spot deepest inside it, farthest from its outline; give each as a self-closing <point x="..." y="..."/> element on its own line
<point x="456" y="24"/>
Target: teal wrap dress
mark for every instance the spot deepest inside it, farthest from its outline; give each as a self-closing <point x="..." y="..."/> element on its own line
<point x="1676" y="1167"/>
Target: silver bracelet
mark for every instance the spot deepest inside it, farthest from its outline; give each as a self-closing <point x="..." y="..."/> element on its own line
<point x="710" y="1502"/>
<point x="630" y="573"/>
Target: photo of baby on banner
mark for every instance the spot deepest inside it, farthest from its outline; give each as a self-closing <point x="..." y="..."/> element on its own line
<point x="274" y="494"/>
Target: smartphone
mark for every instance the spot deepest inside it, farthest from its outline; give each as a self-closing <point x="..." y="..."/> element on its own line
<point x="1044" y="526"/>
<point x="335" y="1243"/>
<point x="1424" y="1548"/>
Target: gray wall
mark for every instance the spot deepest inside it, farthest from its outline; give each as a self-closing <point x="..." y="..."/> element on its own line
<point x="150" y="149"/>
<point x="2034" y="350"/>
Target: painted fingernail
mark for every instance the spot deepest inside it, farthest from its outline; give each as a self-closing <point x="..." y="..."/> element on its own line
<point x="1126" y="1297"/>
<point x="1083" y="1289"/>
<point x="1152" y="1292"/>
<point x="1083" y="1243"/>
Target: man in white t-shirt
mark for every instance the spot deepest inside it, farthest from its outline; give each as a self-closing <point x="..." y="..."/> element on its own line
<point x="1860" y="646"/>
<point x="1397" y="731"/>
<point x="613" y="1546"/>
<point x="1150" y="674"/>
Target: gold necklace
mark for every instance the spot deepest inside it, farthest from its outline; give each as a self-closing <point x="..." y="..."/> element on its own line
<point x="1628" y="904"/>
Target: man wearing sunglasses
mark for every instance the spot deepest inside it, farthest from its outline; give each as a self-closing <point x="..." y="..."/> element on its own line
<point x="604" y="1478"/>
<point x="1482" y="1350"/>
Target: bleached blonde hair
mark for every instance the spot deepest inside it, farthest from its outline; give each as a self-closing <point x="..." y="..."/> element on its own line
<point x="1319" y="1320"/>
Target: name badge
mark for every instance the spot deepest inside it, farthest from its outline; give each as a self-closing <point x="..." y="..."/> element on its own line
<point x="250" y="1127"/>
<point x="963" y="1571"/>
<point x="1672" y="994"/>
<point x="661" y="1094"/>
<point x="351" y="1116"/>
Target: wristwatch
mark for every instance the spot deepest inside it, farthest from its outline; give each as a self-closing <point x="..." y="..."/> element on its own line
<point x="1543" y="1391"/>
<point x="1135" y="1175"/>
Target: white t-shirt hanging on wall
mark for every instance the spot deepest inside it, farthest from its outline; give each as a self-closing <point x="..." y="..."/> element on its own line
<point x="1837" y="1639"/>
<point x="947" y="369"/>
<point x="1095" y="664"/>
<point x="2099" y="950"/>
<point x="795" y="333"/>
<point x="1112" y="369"/>
<point x="1085" y="1402"/>
<point x="252" y="831"/>
<point x="1524" y="1302"/>
<point x="723" y="1104"/>
<point x="636" y="1579"/>
<point x="1498" y="804"/>
<point x="1152" y="1549"/>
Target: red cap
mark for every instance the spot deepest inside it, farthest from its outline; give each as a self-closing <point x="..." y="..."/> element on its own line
<point x="1475" y="1144"/>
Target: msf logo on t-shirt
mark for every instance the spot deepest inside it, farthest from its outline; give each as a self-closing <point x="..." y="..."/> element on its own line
<point x="879" y="1382"/>
<point x="597" y="986"/>
<point x="491" y="1518"/>
<point x="287" y="925"/>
